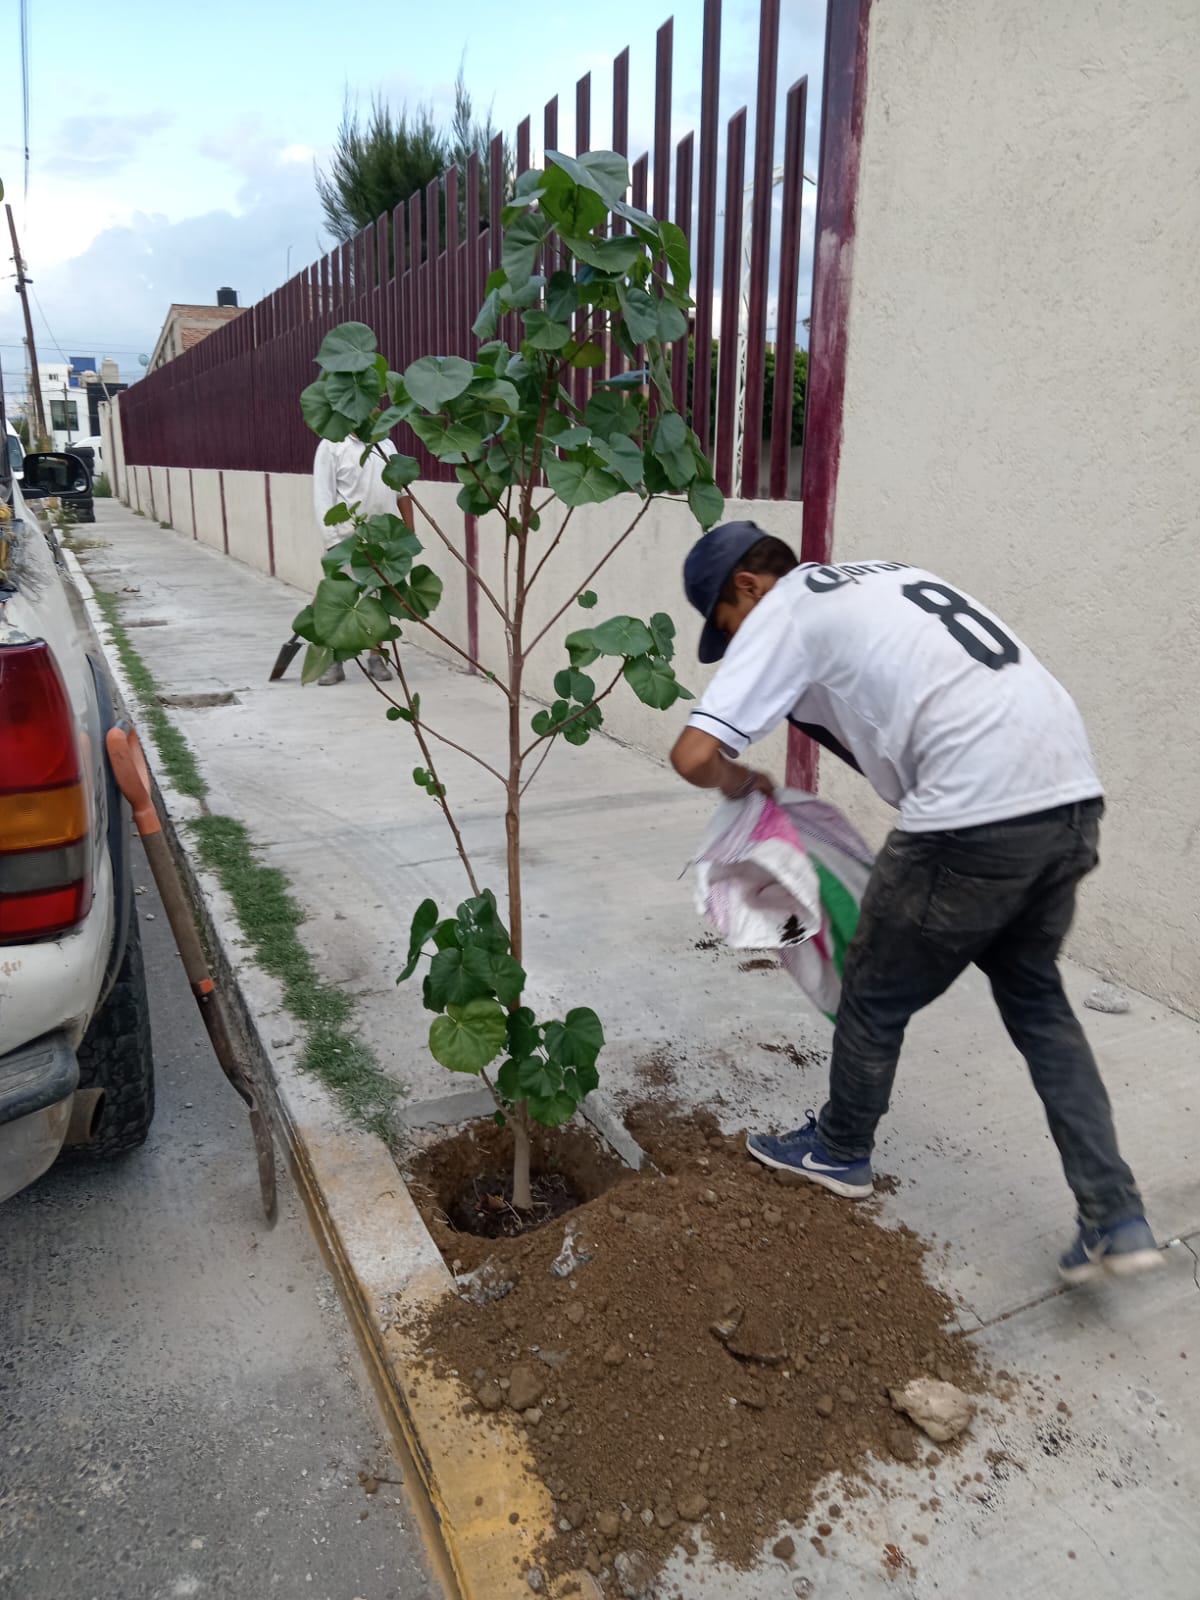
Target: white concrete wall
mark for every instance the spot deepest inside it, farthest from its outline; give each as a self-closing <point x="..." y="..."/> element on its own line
<point x="1023" y="390"/>
<point x="298" y="541"/>
<point x="246" y="519"/>
<point x="155" y="504"/>
<point x="207" y="487"/>
<point x="181" y="500"/>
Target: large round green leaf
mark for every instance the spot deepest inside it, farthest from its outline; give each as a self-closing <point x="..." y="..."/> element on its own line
<point x="347" y="620"/>
<point x="707" y="503"/>
<point x="653" y="681"/>
<point x="577" y="484"/>
<point x="433" y="380"/>
<point x="350" y="347"/>
<point x="320" y="415"/>
<point x="400" y="471"/>
<point x="577" y="1040"/>
<point x="468" y="1036"/>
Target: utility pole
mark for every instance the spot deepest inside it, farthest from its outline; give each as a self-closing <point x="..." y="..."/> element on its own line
<point x="22" y="280"/>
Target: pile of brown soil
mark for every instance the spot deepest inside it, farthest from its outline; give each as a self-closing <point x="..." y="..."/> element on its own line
<point x="730" y="1342"/>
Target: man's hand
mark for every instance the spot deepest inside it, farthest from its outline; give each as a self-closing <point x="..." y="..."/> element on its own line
<point x="699" y="760"/>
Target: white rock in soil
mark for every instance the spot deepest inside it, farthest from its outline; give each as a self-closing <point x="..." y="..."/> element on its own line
<point x="572" y="1255"/>
<point x="937" y="1408"/>
<point x="489" y="1281"/>
<point x="1107" y="997"/>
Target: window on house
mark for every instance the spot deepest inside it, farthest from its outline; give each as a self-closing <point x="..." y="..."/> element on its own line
<point x="64" y="414"/>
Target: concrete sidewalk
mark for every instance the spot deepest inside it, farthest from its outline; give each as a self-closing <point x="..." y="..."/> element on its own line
<point x="1095" y="1504"/>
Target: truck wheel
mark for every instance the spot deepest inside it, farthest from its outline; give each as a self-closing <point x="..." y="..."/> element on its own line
<point x="117" y="1056"/>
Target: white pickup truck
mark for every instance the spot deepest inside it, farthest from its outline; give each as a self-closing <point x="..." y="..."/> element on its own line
<point x="76" y="1065"/>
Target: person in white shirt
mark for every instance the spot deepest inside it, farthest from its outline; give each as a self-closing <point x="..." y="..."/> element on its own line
<point x="340" y="476"/>
<point x="956" y="724"/>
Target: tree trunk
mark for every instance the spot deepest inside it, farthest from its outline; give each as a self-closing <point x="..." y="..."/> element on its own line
<point x="522" y="1194"/>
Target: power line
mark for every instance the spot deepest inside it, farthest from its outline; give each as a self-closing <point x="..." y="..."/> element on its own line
<point x="25" y="97"/>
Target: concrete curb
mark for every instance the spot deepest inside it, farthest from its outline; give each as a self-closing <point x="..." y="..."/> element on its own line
<point x="484" y="1511"/>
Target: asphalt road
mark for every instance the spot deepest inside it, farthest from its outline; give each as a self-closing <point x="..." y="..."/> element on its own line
<point x="183" y="1411"/>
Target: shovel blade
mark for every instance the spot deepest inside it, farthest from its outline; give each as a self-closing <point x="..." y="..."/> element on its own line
<point x="285" y="658"/>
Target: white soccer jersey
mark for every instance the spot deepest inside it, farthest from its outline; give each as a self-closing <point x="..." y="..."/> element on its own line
<point x="949" y="716"/>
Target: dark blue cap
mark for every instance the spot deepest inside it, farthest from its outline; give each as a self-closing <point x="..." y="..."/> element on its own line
<point x="709" y="562"/>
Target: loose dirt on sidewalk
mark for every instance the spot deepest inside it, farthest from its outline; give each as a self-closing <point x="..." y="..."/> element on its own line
<point x="730" y="1343"/>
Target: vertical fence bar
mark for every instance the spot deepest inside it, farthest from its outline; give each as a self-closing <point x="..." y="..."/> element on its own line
<point x="789" y="287"/>
<point x="451" y="310"/>
<point x="583" y="115"/>
<point x="399" y="345"/>
<point x="620" y="138"/>
<point x="433" y="252"/>
<point x="495" y="201"/>
<point x="581" y="379"/>
<point x="735" y="172"/>
<point x="683" y="220"/>
<point x="522" y="146"/>
<point x="706" y="224"/>
<point x="662" y="117"/>
<point x="473" y="294"/>
<point x="760" y="247"/>
<point x="620" y="134"/>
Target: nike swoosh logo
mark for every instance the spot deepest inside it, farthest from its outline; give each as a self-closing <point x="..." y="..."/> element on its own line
<point x="812" y="1165"/>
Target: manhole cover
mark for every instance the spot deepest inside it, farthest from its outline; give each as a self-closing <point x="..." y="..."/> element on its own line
<point x="199" y="702"/>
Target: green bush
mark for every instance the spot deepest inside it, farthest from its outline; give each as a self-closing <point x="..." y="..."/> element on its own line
<point x="799" y="387"/>
<point x="101" y="487"/>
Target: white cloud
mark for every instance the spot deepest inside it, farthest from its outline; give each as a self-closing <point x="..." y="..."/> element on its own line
<point x="99" y="146"/>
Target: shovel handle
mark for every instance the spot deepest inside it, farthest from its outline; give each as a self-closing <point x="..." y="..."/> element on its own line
<point x="128" y="761"/>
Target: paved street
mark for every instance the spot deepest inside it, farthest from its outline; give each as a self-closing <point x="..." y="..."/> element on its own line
<point x="182" y="1408"/>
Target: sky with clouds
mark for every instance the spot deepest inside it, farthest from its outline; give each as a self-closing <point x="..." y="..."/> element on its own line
<point x="172" y="145"/>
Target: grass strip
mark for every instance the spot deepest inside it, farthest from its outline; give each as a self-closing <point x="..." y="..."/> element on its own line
<point x="269" y="916"/>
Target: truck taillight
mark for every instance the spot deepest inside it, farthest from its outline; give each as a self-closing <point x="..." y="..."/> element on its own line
<point x="45" y="822"/>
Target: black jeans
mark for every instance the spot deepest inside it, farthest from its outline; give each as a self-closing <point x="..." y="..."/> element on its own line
<point x="1001" y="896"/>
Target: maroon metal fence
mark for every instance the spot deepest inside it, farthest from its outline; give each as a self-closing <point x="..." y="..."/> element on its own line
<point x="231" y="401"/>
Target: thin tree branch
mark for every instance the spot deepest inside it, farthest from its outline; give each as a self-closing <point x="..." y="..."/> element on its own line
<point x="432" y="732"/>
<point x="558" y="615"/>
<point x="575" y="715"/>
<point x="541" y="762"/>
<point x="549" y="552"/>
<point x="437" y="634"/>
<point x="428" y="755"/>
<point x="455" y="552"/>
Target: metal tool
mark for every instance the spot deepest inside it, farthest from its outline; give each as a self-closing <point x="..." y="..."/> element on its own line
<point x="285" y="658"/>
<point x="128" y="762"/>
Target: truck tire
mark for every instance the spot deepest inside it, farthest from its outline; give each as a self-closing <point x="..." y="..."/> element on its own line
<point x="117" y="1056"/>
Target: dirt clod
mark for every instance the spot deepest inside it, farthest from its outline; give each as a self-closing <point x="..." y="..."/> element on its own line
<point x="691" y="1507"/>
<point x="525" y="1388"/>
<point x="653" y="1408"/>
<point x="489" y="1396"/>
<point x="784" y="1549"/>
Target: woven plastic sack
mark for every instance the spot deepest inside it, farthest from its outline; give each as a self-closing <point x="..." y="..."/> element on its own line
<point x="785" y="874"/>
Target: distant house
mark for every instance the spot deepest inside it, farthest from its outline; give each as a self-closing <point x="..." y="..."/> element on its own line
<point x="71" y="396"/>
<point x="187" y="325"/>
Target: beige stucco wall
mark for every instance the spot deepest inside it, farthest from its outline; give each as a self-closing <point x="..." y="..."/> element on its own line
<point x="181" y="500"/>
<point x="298" y="541"/>
<point x="246" y="518"/>
<point x="1023" y="390"/>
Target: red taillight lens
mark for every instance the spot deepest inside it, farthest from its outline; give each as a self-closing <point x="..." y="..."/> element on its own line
<point x="45" y="847"/>
<point x="38" y="744"/>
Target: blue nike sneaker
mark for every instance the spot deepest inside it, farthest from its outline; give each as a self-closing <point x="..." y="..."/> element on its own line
<point x="1125" y="1248"/>
<point x="803" y="1153"/>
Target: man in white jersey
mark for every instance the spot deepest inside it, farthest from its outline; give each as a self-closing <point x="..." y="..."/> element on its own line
<point x="956" y="724"/>
<point x="342" y="477"/>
